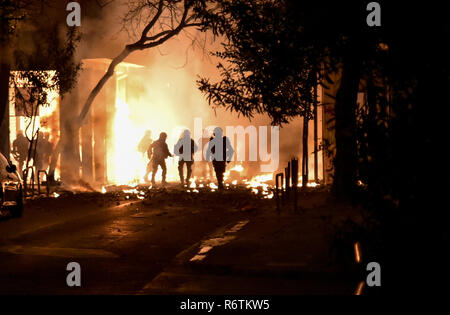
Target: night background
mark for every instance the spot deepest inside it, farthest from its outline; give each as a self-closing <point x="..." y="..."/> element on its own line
<point x="339" y="133"/>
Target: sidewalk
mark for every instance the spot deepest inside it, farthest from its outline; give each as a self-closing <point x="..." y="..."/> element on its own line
<point x="267" y="253"/>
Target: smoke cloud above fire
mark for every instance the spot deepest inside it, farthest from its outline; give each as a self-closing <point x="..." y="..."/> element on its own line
<point x="163" y="96"/>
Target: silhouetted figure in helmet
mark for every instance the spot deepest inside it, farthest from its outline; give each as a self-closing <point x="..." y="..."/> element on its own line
<point x="144" y="146"/>
<point x="39" y="157"/>
<point x="46" y="150"/>
<point x="20" y="150"/>
<point x="205" y="167"/>
<point x="220" y="152"/>
<point x="160" y="152"/>
<point x="185" y="149"/>
<point x="145" y="142"/>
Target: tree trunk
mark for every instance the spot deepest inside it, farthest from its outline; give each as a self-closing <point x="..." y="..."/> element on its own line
<point x="316" y="135"/>
<point x="345" y="114"/>
<point x="305" y="153"/>
<point x="4" y="109"/>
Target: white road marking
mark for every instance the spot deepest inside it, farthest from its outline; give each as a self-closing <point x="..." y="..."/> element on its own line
<point x="220" y="240"/>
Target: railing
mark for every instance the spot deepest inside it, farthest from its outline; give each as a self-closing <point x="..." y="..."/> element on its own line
<point x="290" y="179"/>
<point x="26" y="185"/>
<point x="25" y="180"/>
<point x="46" y="182"/>
<point x="277" y="190"/>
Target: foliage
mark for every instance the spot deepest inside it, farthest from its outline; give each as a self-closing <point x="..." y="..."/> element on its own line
<point x="265" y="68"/>
<point x="11" y="13"/>
<point x="50" y="52"/>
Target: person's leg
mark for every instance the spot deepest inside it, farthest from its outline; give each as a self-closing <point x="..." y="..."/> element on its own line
<point x="164" y="171"/>
<point x="222" y="166"/>
<point x="189" y="170"/>
<point x="154" y="170"/>
<point x="20" y="170"/>
<point x="219" y="174"/>
<point x="180" y="171"/>
<point x="216" y="171"/>
<point x="45" y="163"/>
<point x="147" y="171"/>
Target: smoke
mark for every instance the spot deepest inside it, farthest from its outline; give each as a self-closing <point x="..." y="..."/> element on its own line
<point x="163" y="96"/>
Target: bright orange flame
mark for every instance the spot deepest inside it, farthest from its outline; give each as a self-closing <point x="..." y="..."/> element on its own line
<point x="360" y="288"/>
<point x="357" y="252"/>
<point x="126" y="165"/>
<point x="260" y="183"/>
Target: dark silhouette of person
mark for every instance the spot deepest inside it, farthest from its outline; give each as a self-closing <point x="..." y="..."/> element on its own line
<point x="145" y="146"/>
<point x="47" y="150"/>
<point x="220" y="152"/>
<point x="42" y="152"/>
<point x="185" y="149"/>
<point x="160" y="152"/>
<point x="20" y="149"/>
<point x="205" y="166"/>
<point x="145" y="142"/>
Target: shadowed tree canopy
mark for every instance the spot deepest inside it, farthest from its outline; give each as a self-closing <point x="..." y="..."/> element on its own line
<point x="392" y="141"/>
<point x="53" y="50"/>
<point x="22" y="50"/>
<point x="149" y="24"/>
<point x="275" y="52"/>
<point x="271" y="50"/>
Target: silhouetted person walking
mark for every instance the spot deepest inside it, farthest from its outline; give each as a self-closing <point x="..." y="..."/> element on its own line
<point x="160" y="152"/>
<point x="220" y="152"/>
<point x="144" y="146"/>
<point x="185" y="149"/>
<point x="46" y="148"/>
<point x="204" y="165"/>
<point x="20" y="150"/>
<point x="145" y="142"/>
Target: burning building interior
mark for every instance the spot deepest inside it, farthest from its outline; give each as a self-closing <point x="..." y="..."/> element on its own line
<point x="218" y="147"/>
<point x="105" y="151"/>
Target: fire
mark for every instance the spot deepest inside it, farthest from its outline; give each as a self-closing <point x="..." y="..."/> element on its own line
<point x="47" y="118"/>
<point x="311" y="184"/>
<point x="192" y="183"/>
<point x="131" y="191"/>
<point x="239" y="168"/>
<point x="128" y="165"/>
<point x="259" y="184"/>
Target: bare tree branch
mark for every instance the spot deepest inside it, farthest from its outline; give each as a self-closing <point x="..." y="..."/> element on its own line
<point x="165" y="19"/>
<point x="102" y="5"/>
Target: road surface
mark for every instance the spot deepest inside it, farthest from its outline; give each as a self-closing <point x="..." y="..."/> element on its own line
<point x="120" y="248"/>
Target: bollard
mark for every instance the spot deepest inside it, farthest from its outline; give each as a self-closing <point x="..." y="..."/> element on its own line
<point x="287" y="172"/>
<point x="277" y="189"/>
<point x="39" y="182"/>
<point x="25" y="184"/>
<point x="294" y="169"/>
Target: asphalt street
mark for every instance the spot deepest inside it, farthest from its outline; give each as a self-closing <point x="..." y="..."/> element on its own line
<point x="119" y="248"/>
